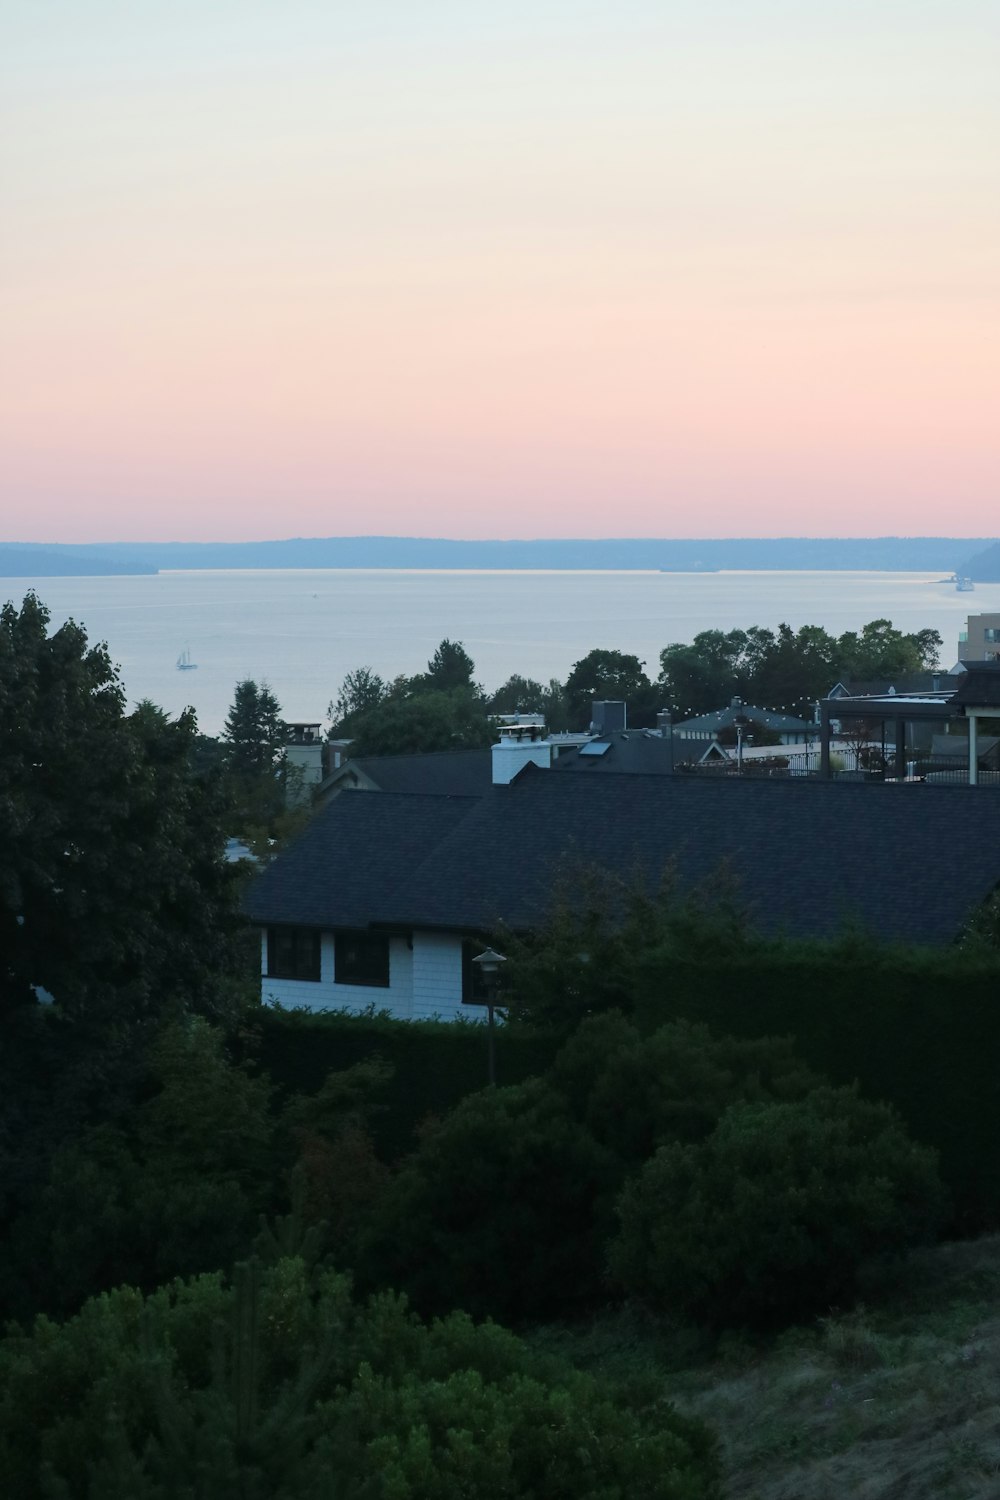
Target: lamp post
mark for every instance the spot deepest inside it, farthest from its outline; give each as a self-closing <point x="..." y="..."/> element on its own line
<point x="489" y="965"/>
<point x="741" y="724"/>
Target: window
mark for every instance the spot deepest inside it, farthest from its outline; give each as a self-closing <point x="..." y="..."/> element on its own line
<point x="293" y="953"/>
<point x="361" y="958"/>
<point x="991" y="634"/>
<point x="475" y="990"/>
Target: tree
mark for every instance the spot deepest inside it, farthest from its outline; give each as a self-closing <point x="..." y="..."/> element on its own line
<point x="522" y="695"/>
<point x="795" y="671"/>
<point x="450" y="667"/>
<point x="518" y="695"/>
<point x="255" y="739"/>
<point x="882" y="651"/>
<point x="426" y="720"/>
<point x="928" y="643"/>
<point x="607" y="674"/>
<point x="360" y="691"/>
<point x="114" y="895"/>
<point x="706" y="675"/>
<point x="254" y="731"/>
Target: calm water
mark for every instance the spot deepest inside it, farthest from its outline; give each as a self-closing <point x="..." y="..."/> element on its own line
<point x="303" y="630"/>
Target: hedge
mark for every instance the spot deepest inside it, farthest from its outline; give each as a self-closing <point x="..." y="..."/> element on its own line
<point x="921" y="1031"/>
<point x="436" y="1063"/>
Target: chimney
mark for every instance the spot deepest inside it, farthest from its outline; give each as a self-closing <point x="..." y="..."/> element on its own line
<point x="520" y="745"/>
<point x="303" y="763"/>
<point x="607" y="715"/>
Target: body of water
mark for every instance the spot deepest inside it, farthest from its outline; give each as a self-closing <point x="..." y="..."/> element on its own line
<point x="303" y="630"/>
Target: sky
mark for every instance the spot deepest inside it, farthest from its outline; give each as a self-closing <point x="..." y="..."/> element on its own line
<point x="480" y="269"/>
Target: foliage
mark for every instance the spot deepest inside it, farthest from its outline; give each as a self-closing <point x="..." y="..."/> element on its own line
<point x="338" y="1167"/>
<point x="636" y="1093"/>
<point x="770" y="1218"/>
<point x="882" y="651"/>
<point x="255" y="737"/>
<point x="785" y="668"/>
<point x="282" y="1386"/>
<point x="502" y="1209"/>
<point x="254" y="732"/>
<point x="612" y="675"/>
<point x="450" y="668"/>
<point x="114" y="897"/>
<point x="918" y="1029"/>
<point x="429" y="719"/>
<point x="173" y="1185"/>
<point x="435" y="1064"/>
<point x="360" y="691"/>
<point x="522" y="695"/>
<point x="583" y="959"/>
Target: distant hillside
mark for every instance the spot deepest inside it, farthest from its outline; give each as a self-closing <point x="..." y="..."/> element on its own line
<point x="901" y="554"/>
<point x="25" y="560"/>
<point x="984" y="567"/>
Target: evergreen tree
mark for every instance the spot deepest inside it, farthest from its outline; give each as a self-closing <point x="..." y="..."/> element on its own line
<point x="450" y="667"/>
<point x="254" y="730"/>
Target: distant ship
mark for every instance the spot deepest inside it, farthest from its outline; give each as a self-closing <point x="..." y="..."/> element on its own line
<point x="184" y="662"/>
<point x="963" y="585"/>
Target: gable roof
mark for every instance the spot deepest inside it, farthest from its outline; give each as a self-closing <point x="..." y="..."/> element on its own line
<point x="908" y="862"/>
<point x="455" y="773"/>
<point x="905" y="683"/>
<point x="343" y="869"/>
<point x="642" y="752"/>
<point x="725" y="718"/>
<point x="979" y="688"/>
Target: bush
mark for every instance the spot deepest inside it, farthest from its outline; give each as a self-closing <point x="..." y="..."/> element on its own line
<point x="172" y="1187"/>
<point x="636" y="1093"/>
<point x="281" y="1386"/>
<point x="769" y="1219"/>
<point x="503" y="1209"/>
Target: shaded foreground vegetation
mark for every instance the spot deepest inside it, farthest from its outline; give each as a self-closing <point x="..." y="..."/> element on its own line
<point x="210" y="1215"/>
<point x="894" y="1399"/>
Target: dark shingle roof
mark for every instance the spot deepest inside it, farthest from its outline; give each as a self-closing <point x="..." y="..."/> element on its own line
<point x="908" y="862"/>
<point x="344" y="868"/>
<point x="725" y="718"/>
<point x="979" y="688"/>
<point x="450" y="773"/>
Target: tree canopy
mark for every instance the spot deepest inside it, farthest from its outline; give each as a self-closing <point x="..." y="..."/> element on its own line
<point x="114" y="896"/>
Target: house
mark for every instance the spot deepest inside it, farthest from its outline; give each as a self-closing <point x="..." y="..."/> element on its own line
<point x="384" y="901"/>
<point x="743" y="717"/>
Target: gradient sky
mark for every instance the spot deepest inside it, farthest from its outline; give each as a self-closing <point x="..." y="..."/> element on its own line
<point x="499" y="268"/>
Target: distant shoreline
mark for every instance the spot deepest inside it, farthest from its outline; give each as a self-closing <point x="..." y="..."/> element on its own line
<point x="944" y="555"/>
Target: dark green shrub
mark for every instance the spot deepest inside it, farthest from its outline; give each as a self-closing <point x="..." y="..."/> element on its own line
<point x="769" y="1219"/>
<point x="173" y="1187"/>
<point x="281" y="1387"/>
<point x="636" y="1093"/>
<point x="503" y="1209"/>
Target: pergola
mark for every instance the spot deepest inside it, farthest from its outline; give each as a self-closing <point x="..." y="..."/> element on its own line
<point x="975" y="696"/>
<point x="889" y="708"/>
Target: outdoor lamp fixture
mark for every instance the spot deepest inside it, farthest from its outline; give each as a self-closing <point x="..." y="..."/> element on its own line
<point x="741" y="724"/>
<point x="489" y="965"/>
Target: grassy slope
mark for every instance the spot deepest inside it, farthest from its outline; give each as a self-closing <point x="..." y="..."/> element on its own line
<point x="896" y="1402"/>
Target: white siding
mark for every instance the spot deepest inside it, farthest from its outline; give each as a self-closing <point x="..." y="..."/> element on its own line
<point x="437" y="977"/>
<point x="327" y="995"/>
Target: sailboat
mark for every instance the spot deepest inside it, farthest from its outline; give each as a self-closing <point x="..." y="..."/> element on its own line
<point x="184" y="662"/>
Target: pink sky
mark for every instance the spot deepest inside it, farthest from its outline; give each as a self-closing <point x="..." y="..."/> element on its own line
<point x="572" y="270"/>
